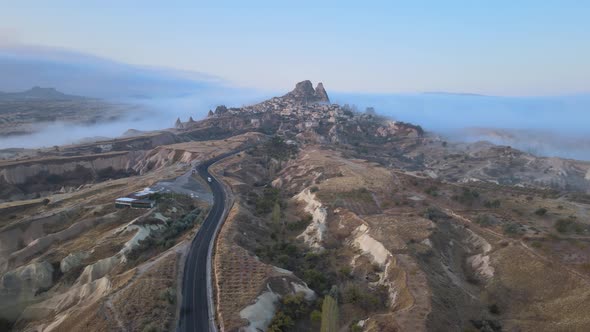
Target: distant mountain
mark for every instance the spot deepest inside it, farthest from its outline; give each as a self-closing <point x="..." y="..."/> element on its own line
<point x="444" y="93"/>
<point x="88" y="75"/>
<point x="39" y="94"/>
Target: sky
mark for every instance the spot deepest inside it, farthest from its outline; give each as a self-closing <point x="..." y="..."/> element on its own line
<point x="506" y="48"/>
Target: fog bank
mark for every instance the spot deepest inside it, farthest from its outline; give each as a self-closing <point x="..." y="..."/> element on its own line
<point x="546" y="126"/>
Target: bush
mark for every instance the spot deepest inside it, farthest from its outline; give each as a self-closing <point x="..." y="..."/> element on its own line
<point x="494" y="309"/>
<point x="316" y="280"/>
<point x="485" y="220"/>
<point x="512" y="229"/>
<point x="432" y="191"/>
<point x="492" y="204"/>
<point x="568" y="225"/>
<point x="298" y="225"/>
<point x="468" y="196"/>
<point x="314" y="189"/>
<point x="291" y="307"/>
<point x="266" y="203"/>
<point x="366" y="298"/>
<point x="169" y="294"/>
<point x="277" y="148"/>
<point x="281" y="322"/>
<point x="541" y="211"/>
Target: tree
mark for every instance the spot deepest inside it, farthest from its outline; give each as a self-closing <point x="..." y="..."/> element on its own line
<point x="276" y="218"/>
<point x="316" y="316"/>
<point x="276" y="214"/>
<point x="329" y="315"/>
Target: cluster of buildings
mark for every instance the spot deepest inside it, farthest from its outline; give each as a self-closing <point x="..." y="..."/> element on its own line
<point x="140" y="200"/>
<point x="293" y="109"/>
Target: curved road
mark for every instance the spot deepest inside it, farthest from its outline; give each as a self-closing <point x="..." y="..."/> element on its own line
<point x="194" y="310"/>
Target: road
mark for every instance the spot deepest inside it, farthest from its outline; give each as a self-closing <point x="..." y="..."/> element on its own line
<point x="194" y="310"/>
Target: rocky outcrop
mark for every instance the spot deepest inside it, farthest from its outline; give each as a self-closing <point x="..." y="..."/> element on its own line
<point x="25" y="178"/>
<point x="19" y="287"/>
<point x="304" y="93"/>
<point x="220" y="110"/>
<point x="321" y="93"/>
<point x="178" y="124"/>
<point x="72" y="261"/>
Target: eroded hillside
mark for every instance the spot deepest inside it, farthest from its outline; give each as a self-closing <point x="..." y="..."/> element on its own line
<point x="398" y="251"/>
<point x="71" y="260"/>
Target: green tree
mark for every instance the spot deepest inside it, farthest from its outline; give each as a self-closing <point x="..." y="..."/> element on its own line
<point x="329" y="315"/>
<point x="316" y="316"/>
<point x="276" y="214"/>
<point x="276" y="219"/>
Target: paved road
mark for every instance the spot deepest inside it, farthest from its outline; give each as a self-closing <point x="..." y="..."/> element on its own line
<point x="194" y="310"/>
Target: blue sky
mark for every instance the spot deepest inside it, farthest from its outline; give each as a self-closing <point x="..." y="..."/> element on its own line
<point x="488" y="47"/>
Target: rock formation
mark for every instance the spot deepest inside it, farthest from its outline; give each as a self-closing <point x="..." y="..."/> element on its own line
<point x="221" y="109"/>
<point x="321" y="93"/>
<point x="304" y="93"/>
<point x="178" y="124"/>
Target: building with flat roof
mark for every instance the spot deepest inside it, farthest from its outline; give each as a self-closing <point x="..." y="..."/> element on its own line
<point x="139" y="200"/>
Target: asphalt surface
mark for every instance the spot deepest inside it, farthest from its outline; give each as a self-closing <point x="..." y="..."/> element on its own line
<point x="194" y="310"/>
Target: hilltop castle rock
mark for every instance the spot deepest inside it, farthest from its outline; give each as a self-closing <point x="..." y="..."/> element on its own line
<point x="304" y="93"/>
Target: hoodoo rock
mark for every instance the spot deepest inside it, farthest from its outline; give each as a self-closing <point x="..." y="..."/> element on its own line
<point x="321" y="93"/>
<point x="178" y="124"/>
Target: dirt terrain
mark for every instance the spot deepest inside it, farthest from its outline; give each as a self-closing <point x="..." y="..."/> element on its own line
<point x="71" y="260"/>
<point x="432" y="255"/>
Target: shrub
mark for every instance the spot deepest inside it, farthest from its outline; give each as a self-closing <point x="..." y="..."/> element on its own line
<point x="364" y="297"/>
<point x="281" y="322"/>
<point x="314" y="189"/>
<point x="512" y="229"/>
<point x="568" y="225"/>
<point x="432" y="191"/>
<point x="541" y="211"/>
<point x="492" y="204"/>
<point x="494" y="309"/>
<point x="169" y="294"/>
<point x="266" y="203"/>
<point x="485" y="220"/>
<point x="316" y="280"/>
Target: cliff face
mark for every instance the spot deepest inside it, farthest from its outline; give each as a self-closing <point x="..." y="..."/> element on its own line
<point x="21" y="179"/>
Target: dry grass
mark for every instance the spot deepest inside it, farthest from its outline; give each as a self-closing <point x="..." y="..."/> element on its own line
<point x="144" y="301"/>
<point x="542" y="296"/>
<point x="239" y="276"/>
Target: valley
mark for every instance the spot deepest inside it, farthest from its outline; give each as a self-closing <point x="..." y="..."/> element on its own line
<point x="326" y="207"/>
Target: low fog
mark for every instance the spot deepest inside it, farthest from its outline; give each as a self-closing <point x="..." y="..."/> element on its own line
<point x="145" y="114"/>
<point x="547" y="126"/>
